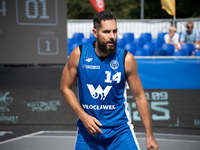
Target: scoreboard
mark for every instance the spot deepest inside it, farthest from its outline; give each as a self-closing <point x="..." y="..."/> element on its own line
<point x="33" y="32"/>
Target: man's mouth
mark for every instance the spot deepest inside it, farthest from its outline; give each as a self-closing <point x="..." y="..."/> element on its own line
<point x="110" y="43"/>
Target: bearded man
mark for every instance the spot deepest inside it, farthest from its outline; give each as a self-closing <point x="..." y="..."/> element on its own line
<point x="103" y="68"/>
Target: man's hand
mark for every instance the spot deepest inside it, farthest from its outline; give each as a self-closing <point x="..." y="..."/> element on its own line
<point x="91" y="124"/>
<point x="151" y="143"/>
<point x="171" y="35"/>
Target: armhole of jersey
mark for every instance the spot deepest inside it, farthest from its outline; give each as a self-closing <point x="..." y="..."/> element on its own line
<point x="125" y="53"/>
<point x="80" y="48"/>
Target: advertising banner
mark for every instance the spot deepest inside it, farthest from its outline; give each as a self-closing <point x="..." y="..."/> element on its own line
<point x="32" y="96"/>
<point x="34" y="106"/>
<point x="168" y="108"/>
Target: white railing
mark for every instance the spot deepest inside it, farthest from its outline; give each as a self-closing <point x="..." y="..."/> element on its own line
<point x="136" y="26"/>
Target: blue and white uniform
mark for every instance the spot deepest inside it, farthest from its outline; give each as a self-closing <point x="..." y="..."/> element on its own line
<point x="102" y="95"/>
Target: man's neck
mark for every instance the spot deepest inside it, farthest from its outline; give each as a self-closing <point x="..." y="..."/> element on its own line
<point x="98" y="51"/>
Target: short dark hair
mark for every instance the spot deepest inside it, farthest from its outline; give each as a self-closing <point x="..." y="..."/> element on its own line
<point x="103" y="15"/>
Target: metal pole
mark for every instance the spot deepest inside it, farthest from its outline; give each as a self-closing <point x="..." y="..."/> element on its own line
<point x="142" y="9"/>
<point x="174" y="20"/>
<point x="174" y="16"/>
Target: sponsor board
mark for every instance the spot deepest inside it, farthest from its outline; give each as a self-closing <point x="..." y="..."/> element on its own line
<point x="35" y="106"/>
<point x="168" y="108"/>
<point x="5" y="102"/>
<point x="43" y="106"/>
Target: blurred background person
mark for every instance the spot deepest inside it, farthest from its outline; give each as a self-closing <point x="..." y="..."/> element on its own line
<point x="172" y="38"/>
<point x="190" y="36"/>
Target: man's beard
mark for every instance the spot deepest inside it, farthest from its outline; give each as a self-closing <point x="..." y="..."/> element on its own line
<point x="107" y="49"/>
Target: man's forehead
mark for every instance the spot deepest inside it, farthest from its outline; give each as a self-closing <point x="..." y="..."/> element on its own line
<point x="108" y="24"/>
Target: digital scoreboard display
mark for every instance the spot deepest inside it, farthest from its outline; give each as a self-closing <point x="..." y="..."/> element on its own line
<point x="33" y="32"/>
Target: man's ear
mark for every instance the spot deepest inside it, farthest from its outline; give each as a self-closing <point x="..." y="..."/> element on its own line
<point x="95" y="32"/>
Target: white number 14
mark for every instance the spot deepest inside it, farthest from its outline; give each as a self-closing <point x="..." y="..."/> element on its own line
<point x="116" y="77"/>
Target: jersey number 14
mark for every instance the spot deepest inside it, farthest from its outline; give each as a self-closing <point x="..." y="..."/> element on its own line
<point x="116" y="77"/>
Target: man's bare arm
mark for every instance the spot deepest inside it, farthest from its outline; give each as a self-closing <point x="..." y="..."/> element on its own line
<point x="140" y="99"/>
<point x="68" y="78"/>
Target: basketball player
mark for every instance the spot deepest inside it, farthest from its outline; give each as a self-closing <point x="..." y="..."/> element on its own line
<point x="103" y="69"/>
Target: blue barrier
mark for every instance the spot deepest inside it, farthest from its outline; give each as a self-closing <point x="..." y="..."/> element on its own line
<point x="169" y="74"/>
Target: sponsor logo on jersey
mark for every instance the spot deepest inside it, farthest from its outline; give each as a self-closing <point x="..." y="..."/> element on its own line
<point x="114" y="64"/>
<point x="98" y="107"/>
<point x="89" y="59"/>
<point x="90" y="67"/>
<point x="98" y="92"/>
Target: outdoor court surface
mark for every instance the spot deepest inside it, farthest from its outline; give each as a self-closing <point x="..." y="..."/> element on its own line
<point x="63" y="138"/>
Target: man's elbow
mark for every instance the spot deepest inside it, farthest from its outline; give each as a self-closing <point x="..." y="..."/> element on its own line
<point x="65" y="90"/>
<point x="62" y="89"/>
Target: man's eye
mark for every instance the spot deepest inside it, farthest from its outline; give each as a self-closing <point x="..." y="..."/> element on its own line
<point x="106" y="31"/>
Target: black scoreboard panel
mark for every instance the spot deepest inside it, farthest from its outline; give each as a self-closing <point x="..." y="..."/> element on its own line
<point x="169" y="108"/>
<point x="33" y="32"/>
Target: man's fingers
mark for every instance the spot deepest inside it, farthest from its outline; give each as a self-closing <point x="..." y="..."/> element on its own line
<point x="94" y="130"/>
<point x="91" y="131"/>
<point x="92" y="125"/>
<point x="97" y="122"/>
<point x="98" y="130"/>
<point x="96" y="127"/>
<point x="152" y="145"/>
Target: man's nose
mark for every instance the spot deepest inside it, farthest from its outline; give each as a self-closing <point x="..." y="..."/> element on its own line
<point x="111" y="35"/>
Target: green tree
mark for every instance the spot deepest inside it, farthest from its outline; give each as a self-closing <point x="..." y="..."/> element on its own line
<point x="79" y="9"/>
<point x="124" y="9"/>
<point x="130" y="9"/>
<point x="188" y="9"/>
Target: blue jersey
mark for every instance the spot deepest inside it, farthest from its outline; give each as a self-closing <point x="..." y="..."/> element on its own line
<point x="102" y="86"/>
